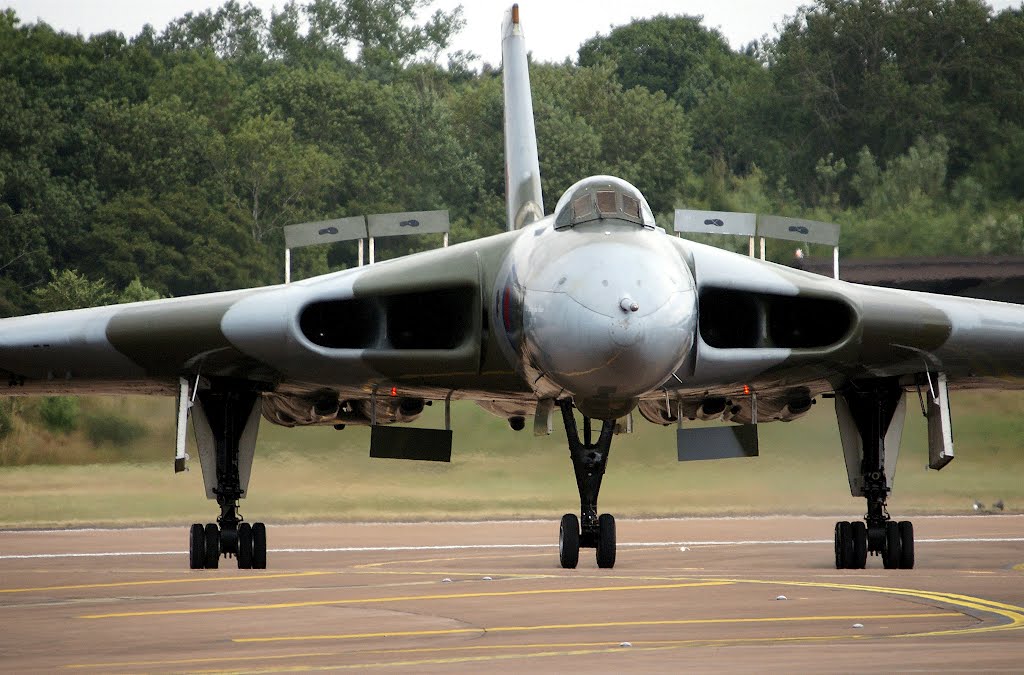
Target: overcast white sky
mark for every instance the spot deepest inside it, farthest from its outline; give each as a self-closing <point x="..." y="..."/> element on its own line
<point x="554" y="28"/>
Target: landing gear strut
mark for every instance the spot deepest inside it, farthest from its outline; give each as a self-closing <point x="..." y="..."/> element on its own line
<point x="224" y="418"/>
<point x="875" y="411"/>
<point x="588" y="462"/>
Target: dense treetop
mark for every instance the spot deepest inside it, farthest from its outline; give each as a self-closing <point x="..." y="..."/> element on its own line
<point x="167" y="162"/>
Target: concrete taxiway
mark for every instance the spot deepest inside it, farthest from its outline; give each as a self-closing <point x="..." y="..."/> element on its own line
<point x="686" y="594"/>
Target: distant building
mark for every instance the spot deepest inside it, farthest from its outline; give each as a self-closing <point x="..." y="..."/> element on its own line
<point x="987" y="277"/>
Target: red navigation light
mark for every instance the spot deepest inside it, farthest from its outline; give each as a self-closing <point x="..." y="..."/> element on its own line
<point x="394" y="391"/>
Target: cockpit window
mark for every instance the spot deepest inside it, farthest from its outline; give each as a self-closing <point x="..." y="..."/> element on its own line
<point x="606" y="203"/>
<point x="630" y="206"/>
<point x="602" y="197"/>
<point x="582" y="207"/>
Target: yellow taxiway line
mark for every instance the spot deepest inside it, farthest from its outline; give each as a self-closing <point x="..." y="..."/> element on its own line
<point x="604" y="624"/>
<point x="1012" y="618"/>
<point x="405" y="598"/>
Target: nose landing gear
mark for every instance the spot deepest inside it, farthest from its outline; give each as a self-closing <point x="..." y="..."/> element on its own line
<point x="588" y="462"/>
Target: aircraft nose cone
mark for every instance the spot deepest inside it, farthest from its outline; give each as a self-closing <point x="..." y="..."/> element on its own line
<point x="625" y="333"/>
<point x="593" y="357"/>
<point x="610" y="332"/>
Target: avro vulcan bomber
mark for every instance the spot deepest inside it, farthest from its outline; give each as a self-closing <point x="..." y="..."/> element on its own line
<point x="587" y="314"/>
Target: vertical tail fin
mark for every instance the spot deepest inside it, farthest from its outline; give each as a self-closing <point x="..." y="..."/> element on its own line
<point x="523" y="200"/>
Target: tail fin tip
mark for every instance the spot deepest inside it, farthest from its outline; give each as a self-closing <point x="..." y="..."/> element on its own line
<point x="523" y="198"/>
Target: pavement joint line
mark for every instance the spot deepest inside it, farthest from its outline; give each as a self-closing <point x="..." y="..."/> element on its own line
<point x="463" y="547"/>
<point x="604" y="624"/>
<point x="408" y="598"/>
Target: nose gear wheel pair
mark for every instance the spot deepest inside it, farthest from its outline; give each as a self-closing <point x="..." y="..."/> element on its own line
<point x="589" y="460"/>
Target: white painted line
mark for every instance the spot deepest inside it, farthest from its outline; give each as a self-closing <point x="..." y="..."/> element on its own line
<point x="472" y="523"/>
<point x="106" y="554"/>
<point x="467" y="547"/>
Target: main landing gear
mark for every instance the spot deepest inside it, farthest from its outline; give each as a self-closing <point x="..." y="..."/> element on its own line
<point x="224" y="423"/>
<point x="877" y="411"/>
<point x="893" y="541"/>
<point x="248" y="543"/>
<point x="588" y="462"/>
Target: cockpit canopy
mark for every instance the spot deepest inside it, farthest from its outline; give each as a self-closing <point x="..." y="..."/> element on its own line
<point x="601" y="197"/>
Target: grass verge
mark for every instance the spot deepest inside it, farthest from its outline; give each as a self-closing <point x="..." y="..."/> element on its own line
<point x="323" y="474"/>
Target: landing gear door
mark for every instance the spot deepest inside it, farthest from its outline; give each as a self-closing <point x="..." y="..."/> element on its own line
<point x="940" y="424"/>
<point x="853" y="444"/>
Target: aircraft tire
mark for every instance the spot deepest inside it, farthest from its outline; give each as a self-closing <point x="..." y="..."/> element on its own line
<point x="906" y="530"/>
<point x="891" y="554"/>
<point x="569" y="541"/>
<point x="606" y="541"/>
<point x="212" y="546"/>
<point x="259" y="546"/>
<point x="844" y="545"/>
<point x="245" y="548"/>
<point x="859" y="534"/>
<point x="838" y="539"/>
<point x="196" y="547"/>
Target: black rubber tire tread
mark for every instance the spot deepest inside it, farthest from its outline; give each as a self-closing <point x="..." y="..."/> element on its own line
<point x="244" y="553"/>
<point x="606" y="541"/>
<point x="197" y="547"/>
<point x="569" y="541"/>
<point x="859" y="534"/>
<point x="844" y="545"/>
<point x="891" y="554"/>
<point x="259" y="546"/>
<point x="839" y="546"/>
<point x="906" y="529"/>
<point x="212" y="546"/>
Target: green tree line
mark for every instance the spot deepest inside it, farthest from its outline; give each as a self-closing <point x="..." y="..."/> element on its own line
<point x="166" y="163"/>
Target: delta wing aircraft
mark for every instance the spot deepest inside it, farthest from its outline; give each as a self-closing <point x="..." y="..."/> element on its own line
<point x="591" y="309"/>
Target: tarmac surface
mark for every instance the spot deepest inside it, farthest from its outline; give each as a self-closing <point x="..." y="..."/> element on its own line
<point x="745" y="594"/>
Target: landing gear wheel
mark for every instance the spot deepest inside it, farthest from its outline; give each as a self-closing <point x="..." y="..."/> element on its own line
<point x="844" y="545"/>
<point x="891" y="553"/>
<point x="569" y="541"/>
<point x="906" y="530"/>
<point x="606" y="541"/>
<point x="244" y="546"/>
<point x="212" y="546"/>
<point x="838" y="539"/>
<point x="589" y="461"/>
<point x="197" y="547"/>
<point x="859" y="533"/>
<point x="259" y="546"/>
